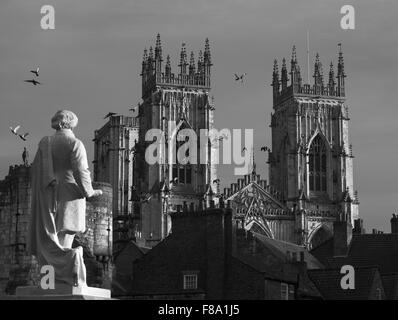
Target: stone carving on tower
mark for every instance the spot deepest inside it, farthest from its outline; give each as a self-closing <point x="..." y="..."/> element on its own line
<point x="310" y="162"/>
<point x="173" y="103"/>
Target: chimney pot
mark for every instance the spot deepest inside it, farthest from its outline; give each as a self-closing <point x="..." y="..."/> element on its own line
<point x="394" y="223"/>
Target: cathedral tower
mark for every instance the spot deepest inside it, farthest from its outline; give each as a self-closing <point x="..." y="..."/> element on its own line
<point x="311" y="162"/>
<point x="172" y="102"/>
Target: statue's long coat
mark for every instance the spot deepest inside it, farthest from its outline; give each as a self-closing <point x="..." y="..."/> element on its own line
<point x="60" y="183"/>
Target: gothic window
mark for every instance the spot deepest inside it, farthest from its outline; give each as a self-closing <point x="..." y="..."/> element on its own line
<point x="182" y="173"/>
<point x="317" y="165"/>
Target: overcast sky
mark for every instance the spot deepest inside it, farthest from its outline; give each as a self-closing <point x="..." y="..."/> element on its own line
<point x="91" y="63"/>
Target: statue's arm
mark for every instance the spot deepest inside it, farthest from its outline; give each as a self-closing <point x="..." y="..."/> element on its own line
<point x="80" y="169"/>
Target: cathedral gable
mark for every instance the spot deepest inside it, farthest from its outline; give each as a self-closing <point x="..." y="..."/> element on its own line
<point x="253" y="199"/>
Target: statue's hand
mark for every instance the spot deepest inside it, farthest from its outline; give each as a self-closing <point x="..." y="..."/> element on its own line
<point x="97" y="192"/>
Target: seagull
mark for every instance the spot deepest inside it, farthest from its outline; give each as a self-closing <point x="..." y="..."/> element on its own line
<point x="240" y="77"/>
<point x="264" y="148"/>
<point x="36" y="72"/>
<point x="110" y="114"/>
<point x="33" y="81"/>
<point x="14" y="130"/>
<point x="23" y="136"/>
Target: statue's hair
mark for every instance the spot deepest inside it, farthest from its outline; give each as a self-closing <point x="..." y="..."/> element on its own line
<point x="64" y="119"/>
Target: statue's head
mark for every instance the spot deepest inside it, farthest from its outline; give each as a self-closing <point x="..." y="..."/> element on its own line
<point x="64" y="119"/>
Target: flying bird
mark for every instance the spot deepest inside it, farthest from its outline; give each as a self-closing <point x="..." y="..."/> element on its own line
<point x="36" y="72"/>
<point x="240" y="77"/>
<point x="244" y="149"/>
<point x="33" y="81"/>
<point x="110" y="114"/>
<point x="23" y="136"/>
<point x="264" y="149"/>
<point x="216" y="180"/>
<point x="14" y="130"/>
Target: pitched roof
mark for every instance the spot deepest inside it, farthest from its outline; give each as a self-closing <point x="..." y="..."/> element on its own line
<point x="390" y="284"/>
<point x="365" y="250"/>
<point x="270" y="257"/>
<point x="282" y="248"/>
<point x="327" y="282"/>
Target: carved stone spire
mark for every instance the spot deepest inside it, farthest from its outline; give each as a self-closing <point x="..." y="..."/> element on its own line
<point x="158" y="48"/>
<point x="183" y="59"/>
<point x="192" y="64"/>
<point x="275" y="77"/>
<point x="318" y="72"/>
<point x="284" y="78"/>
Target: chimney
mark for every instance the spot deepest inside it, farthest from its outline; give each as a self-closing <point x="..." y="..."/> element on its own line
<point x="358" y="227"/>
<point x="394" y="223"/>
<point x="342" y="230"/>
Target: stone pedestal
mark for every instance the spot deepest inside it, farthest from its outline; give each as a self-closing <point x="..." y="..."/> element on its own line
<point x="62" y="292"/>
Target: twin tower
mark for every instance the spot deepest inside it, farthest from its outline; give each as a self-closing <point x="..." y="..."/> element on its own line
<point x="310" y="163"/>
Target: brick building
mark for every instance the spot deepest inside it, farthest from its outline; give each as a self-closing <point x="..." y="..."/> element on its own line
<point x="207" y="255"/>
<point x="375" y="255"/>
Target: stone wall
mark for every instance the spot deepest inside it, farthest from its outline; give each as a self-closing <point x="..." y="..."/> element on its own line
<point x="17" y="267"/>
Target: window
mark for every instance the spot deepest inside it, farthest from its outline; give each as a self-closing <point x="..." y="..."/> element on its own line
<point x="190" y="281"/>
<point x="317" y="165"/>
<point x="284" y="291"/>
<point x="182" y="173"/>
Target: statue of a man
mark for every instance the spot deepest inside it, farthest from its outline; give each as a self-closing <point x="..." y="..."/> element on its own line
<point x="60" y="183"/>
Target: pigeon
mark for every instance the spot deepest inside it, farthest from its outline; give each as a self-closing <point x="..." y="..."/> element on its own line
<point x="240" y="77"/>
<point x="110" y="114"/>
<point x="36" y="72"/>
<point x="33" y="81"/>
<point x="23" y="136"/>
<point x="14" y="130"/>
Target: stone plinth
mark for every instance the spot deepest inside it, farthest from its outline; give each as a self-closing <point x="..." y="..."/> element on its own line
<point x="62" y="292"/>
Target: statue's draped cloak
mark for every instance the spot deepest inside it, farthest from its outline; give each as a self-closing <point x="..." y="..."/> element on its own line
<point x="58" y="204"/>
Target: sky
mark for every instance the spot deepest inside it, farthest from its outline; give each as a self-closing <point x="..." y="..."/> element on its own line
<point x="91" y="63"/>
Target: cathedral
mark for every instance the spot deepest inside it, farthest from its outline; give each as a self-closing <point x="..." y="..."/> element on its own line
<point x="310" y="161"/>
<point x="181" y="100"/>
